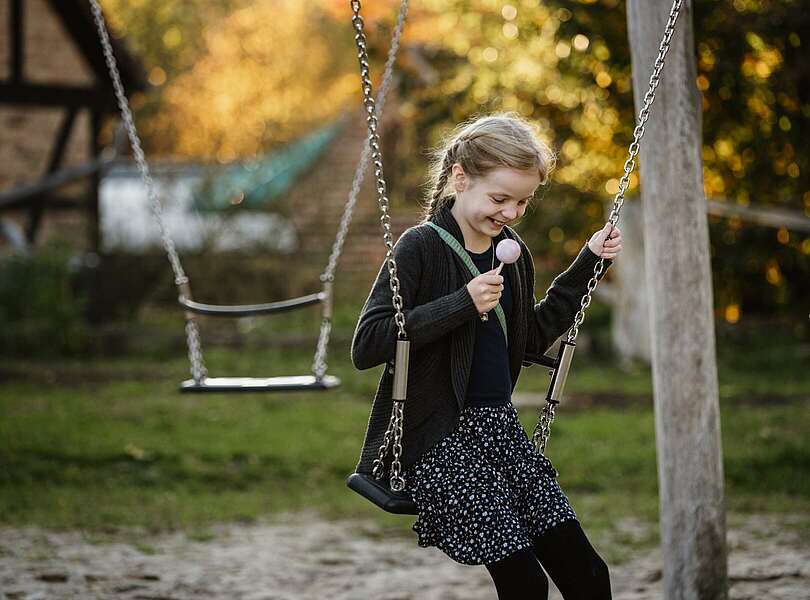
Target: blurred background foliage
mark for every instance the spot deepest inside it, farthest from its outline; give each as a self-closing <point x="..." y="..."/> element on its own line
<point x="42" y="305"/>
<point x="235" y="78"/>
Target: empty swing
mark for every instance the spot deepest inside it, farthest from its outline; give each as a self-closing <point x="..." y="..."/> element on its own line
<point x="200" y="381"/>
<point x="390" y="494"/>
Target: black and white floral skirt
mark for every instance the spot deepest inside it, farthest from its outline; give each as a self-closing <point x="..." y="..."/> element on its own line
<point x="482" y="492"/>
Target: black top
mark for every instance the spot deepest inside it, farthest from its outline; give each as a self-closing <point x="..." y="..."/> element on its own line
<point x="490" y="382"/>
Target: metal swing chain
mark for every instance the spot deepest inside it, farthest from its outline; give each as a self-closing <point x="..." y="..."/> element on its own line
<point x="543" y="428"/>
<point x="395" y="423"/>
<point x="319" y="365"/>
<point x="198" y="370"/>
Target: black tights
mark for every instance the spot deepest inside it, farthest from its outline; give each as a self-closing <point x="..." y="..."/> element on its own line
<point x="568" y="557"/>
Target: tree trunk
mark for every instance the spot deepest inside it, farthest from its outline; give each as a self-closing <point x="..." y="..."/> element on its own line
<point x="630" y="325"/>
<point x="678" y="273"/>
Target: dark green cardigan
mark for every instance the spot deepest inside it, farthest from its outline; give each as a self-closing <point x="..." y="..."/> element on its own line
<point x="440" y="322"/>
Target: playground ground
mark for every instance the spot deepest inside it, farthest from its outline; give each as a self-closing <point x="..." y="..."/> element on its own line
<point x="303" y="557"/>
<point x="113" y="485"/>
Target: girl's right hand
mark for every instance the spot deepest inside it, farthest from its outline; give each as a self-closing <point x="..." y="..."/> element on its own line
<point x="485" y="290"/>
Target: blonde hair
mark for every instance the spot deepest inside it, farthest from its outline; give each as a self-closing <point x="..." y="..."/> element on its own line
<point x="483" y="144"/>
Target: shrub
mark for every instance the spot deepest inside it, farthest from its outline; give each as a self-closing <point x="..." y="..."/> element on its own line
<point x="41" y="307"/>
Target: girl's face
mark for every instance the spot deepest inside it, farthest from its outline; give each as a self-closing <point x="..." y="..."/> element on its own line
<point x="489" y="202"/>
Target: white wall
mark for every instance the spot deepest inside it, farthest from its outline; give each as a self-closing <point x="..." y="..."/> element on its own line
<point x="128" y="224"/>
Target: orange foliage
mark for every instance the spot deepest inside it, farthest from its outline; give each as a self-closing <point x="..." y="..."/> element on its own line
<point x="270" y="72"/>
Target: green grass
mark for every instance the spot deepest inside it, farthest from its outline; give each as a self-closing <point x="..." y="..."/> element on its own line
<point x="109" y="443"/>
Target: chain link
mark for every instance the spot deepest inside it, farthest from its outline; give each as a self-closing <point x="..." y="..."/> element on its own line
<point x="379" y="463"/>
<point x="397" y="480"/>
<point x="198" y="370"/>
<point x="319" y="365"/>
<point x="543" y="428"/>
<point x="395" y="423"/>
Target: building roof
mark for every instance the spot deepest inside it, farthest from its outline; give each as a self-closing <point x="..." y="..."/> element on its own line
<point x="256" y="183"/>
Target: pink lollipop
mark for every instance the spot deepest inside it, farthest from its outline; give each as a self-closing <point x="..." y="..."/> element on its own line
<point x="507" y="251"/>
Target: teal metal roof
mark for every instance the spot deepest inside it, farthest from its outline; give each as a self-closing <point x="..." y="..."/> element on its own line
<point x="254" y="184"/>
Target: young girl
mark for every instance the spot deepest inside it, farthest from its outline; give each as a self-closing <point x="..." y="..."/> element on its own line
<point x="483" y="495"/>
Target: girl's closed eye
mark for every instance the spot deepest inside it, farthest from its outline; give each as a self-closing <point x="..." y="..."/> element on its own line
<point x="500" y="201"/>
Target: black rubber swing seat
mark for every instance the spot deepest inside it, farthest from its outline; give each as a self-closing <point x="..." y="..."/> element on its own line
<point x="380" y="493"/>
<point x="260" y="384"/>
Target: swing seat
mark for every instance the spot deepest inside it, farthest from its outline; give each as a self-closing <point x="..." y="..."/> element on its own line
<point x="380" y="493"/>
<point x="260" y="384"/>
<point x="251" y="310"/>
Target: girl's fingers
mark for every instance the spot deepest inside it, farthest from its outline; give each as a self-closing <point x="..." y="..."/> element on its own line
<point x="612" y="253"/>
<point x="614" y="236"/>
<point x="612" y="244"/>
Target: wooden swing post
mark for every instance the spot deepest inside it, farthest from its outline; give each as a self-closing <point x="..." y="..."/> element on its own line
<point x="678" y="278"/>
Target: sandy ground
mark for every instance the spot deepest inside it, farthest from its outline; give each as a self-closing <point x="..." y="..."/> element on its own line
<point x="303" y="557"/>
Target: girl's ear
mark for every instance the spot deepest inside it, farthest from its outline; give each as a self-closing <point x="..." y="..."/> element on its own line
<point x="458" y="177"/>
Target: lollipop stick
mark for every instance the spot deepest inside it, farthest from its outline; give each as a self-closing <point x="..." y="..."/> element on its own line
<point x="485" y="316"/>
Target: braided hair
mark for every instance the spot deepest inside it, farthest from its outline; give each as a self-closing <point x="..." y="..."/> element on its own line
<point x="481" y="145"/>
<point x="442" y="179"/>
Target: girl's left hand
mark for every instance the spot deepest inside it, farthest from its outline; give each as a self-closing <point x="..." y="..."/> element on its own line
<point x="607" y="242"/>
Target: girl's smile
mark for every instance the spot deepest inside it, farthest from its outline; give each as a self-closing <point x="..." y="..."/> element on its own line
<point x="485" y="204"/>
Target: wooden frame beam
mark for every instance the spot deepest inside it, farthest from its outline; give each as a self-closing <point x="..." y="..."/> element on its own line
<point x="78" y="21"/>
<point x="53" y="202"/>
<point x="22" y="196"/>
<point x="16" y="28"/>
<point x="769" y="216"/>
<point x="93" y="208"/>
<point x="58" y="150"/>
<point x="57" y="154"/>
<point x="51" y="95"/>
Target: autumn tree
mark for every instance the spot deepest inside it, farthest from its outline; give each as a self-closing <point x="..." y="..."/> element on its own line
<point x="236" y="77"/>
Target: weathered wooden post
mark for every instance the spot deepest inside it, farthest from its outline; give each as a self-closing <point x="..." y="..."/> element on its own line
<point x="630" y="325"/>
<point x="676" y="239"/>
